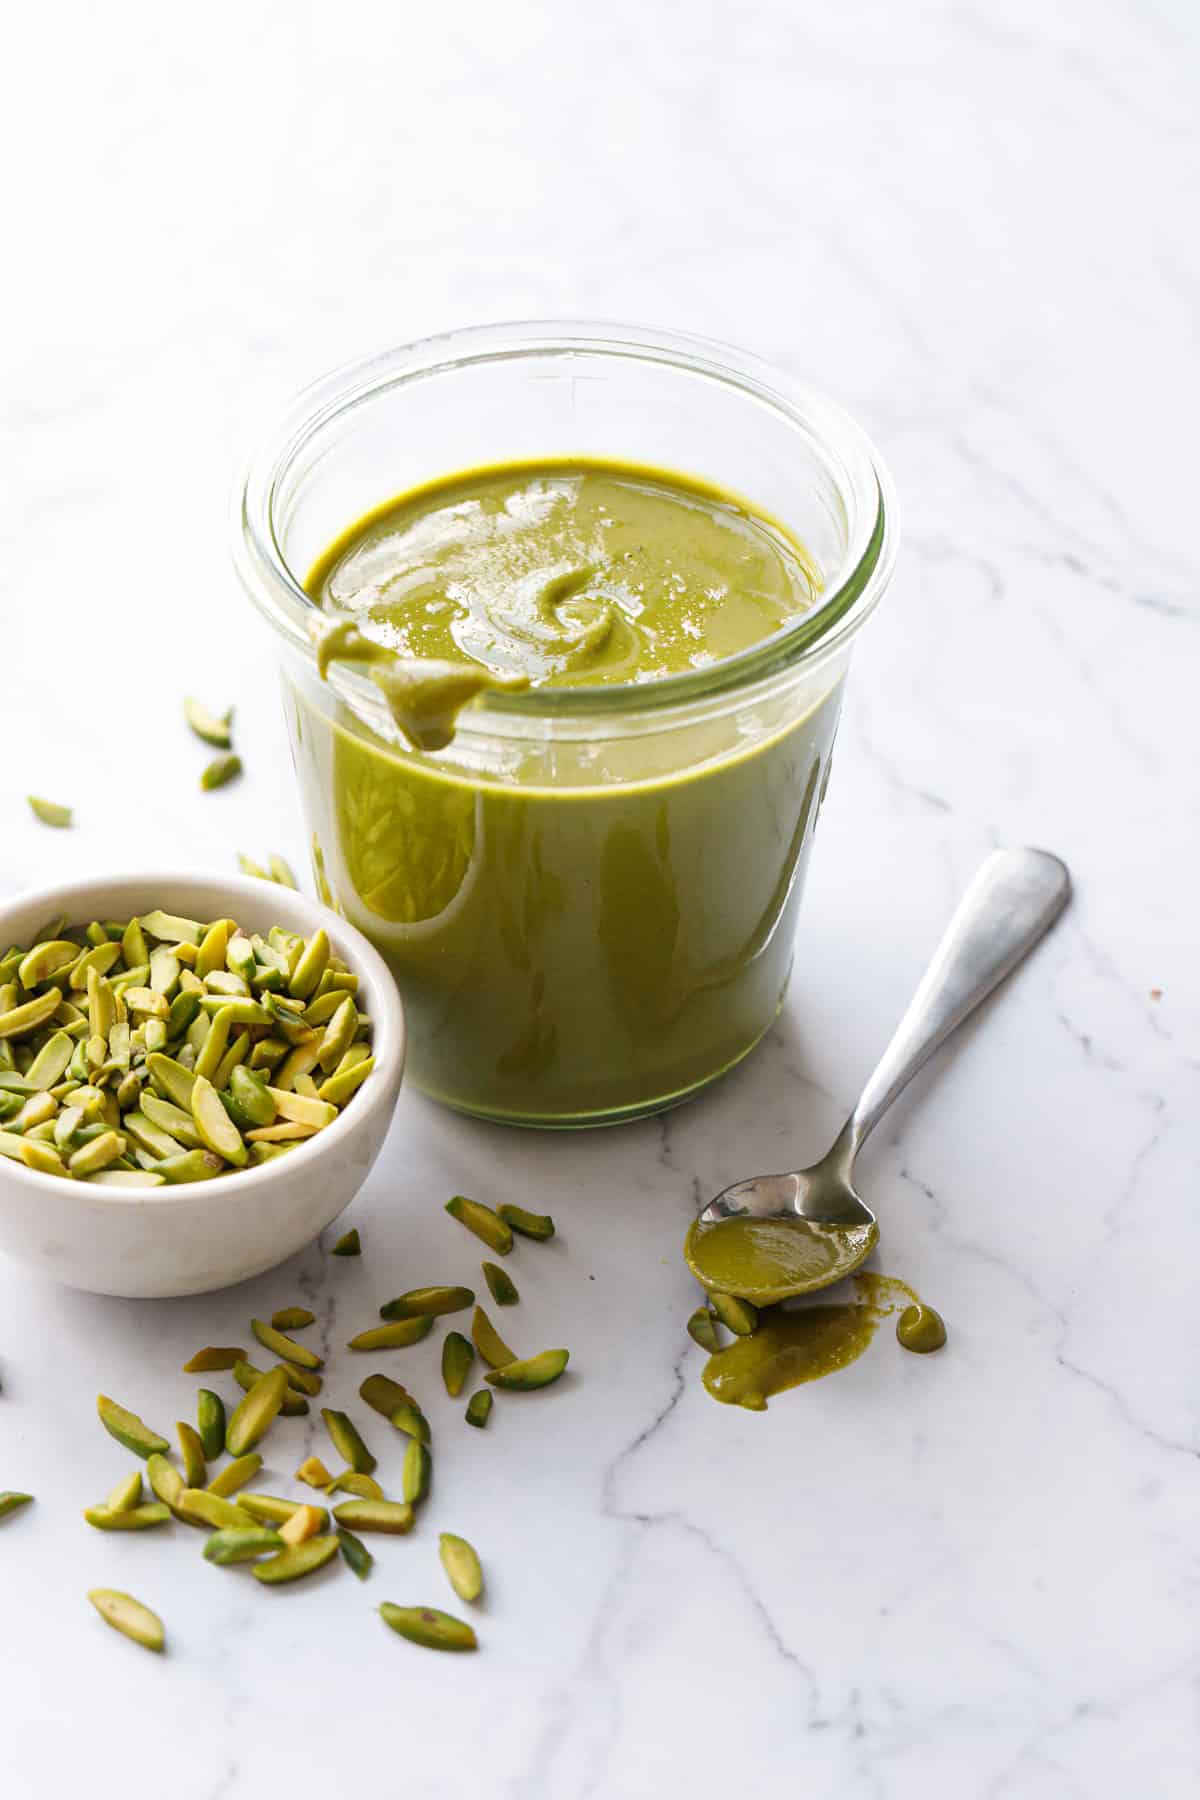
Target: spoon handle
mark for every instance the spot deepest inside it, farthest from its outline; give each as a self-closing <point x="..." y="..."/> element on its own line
<point x="1012" y="902"/>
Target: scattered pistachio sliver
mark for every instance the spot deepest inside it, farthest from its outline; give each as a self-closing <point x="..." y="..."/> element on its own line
<point x="281" y="872"/>
<point x="393" y="1517"/>
<point x="485" y="1223"/>
<point x="461" y="1564"/>
<point x="292" y="1318"/>
<point x="736" y="1315"/>
<point x="213" y="1357"/>
<point x="702" y="1329"/>
<point x="129" y="1617"/>
<point x="128" y="1429"/>
<point x="237" y="1544"/>
<point x="287" y="1348"/>
<point x="212" y="728"/>
<point x="393" y="1337"/>
<point x="133" y="1518"/>
<point x="458" y="1353"/>
<point x="487" y="1340"/>
<point x="127" y="1493"/>
<point x="383" y="1395"/>
<point x="191" y="1450"/>
<point x="166" y="1483"/>
<point x="304" y="1523"/>
<point x="348" y="1244"/>
<point x="416" y="1472"/>
<point x="11" y="1501"/>
<point x="363" y="1487"/>
<point x="313" y="1472"/>
<point x="501" y="1285"/>
<point x="256" y="1413"/>
<point x="49" y="812"/>
<point x="269" y="1510"/>
<point x="531" y="1225"/>
<point x="479" y="1407"/>
<point x="429" y="1627"/>
<point x="358" y="1557"/>
<point x="235" y="1475"/>
<point x="199" y="1507"/>
<point x="221" y="770"/>
<point x="297" y="1560"/>
<point x="345" y="1438"/>
<point x="533" y="1372"/>
<point x="433" y="1301"/>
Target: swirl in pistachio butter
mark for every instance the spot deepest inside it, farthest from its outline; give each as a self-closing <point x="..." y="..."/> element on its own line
<point x="563" y="574"/>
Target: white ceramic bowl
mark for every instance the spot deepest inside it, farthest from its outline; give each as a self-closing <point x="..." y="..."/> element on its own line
<point x="188" y="1239"/>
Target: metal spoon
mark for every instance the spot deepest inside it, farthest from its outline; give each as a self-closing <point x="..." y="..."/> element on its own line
<point x="1014" y="899"/>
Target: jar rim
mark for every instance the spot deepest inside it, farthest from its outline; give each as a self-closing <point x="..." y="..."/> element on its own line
<point x="860" y="477"/>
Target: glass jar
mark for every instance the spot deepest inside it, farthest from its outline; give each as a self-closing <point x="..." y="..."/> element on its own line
<point x="589" y="899"/>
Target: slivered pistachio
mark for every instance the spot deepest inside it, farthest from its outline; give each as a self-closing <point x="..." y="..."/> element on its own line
<point x="235" y="1475"/>
<point x="134" y="1518"/>
<point x="462" y="1566"/>
<point x="128" y="1429"/>
<point x="127" y="1492"/>
<point x="241" y="1011"/>
<point x="50" y="813"/>
<point x="191" y="1165"/>
<point x="294" y="1404"/>
<point x="292" y="1318"/>
<point x="213" y="728"/>
<point x="363" y="1487"/>
<point x="216" y="1128"/>
<point x="97" y="1155"/>
<point x="198" y="1507"/>
<point x="209" y="1055"/>
<point x="248" y="866"/>
<point x="281" y="873"/>
<point x="50" y="1064"/>
<point x="348" y="1244"/>
<point x="11" y="1502"/>
<point x="269" y="1510"/>
<point x="164" y="970"/>
<point x="231" y="1063"/>
<point x="345" y="1438"/>
<point x="483" y="1222"/>
<point x="248" y="1101"/>
<point x="304" y="1523"/>
<point x="458" y="1353"/>
<point x="166" y="1483"/>
<point x="254" y="1416"/>
<point x="429" y="1627"/>
<point x="210" y="1421"/>
<point x="383" y="1395"/>
<point x="357" y="1556"/>
<point x="302" y="1380"/>
<point x="533" y="1372"/>
<point x="432" y="1300"/>
<point x="296" y="1109"/>
<point x="115" y="1177"/>
<point x="20" y="1021"/>
<point x="171" y="928"/>
<point x="313" y="1472"/>
<point x="299" y="1559"/>
<point x="172" y="1080"/>
<point x="393" y="1517"/>
<point x="736" y="1315"/>
<point x="177" y="1124"/>
<point x="702" y="1328"/>
<point x="393" y="1337"/>
<point x="150" y="1137"/>
<point x="279" y="1344"/>
<point x="345" y="1082"/>
<point x="311" y="966"/>
<point x="221" y="770"/>
<point x="339" y="1035"/>
<point x="129" y="1617"/>
<point x="409" y="1418"/>
<point x="501" y="1285"/>
<point x="213" y="948"/>
<point x="487" y="1340"/>
<point x="479" y="1407"/>
<point x="241" y="1544"/>
<point x="191" y="1449"/>
<point x="529" y="1224"/>
<point x="416" y="1472"/>
<point x="227" y="982"/>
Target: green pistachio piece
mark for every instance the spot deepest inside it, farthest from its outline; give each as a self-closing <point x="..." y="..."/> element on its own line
<point x="458" y="1353"/>
<point x="427" y="1626"/>
<point x="269" y="1510"/>
<point x="357" y="1556"/>
<point x="210" y="1420"/>
<point x="479" y="1407"/>
<point x="383" y="1395"/>
<point x="166" y="1483"/>
<point x="171" y="929"/>
<point x="363" y="1487"/>
<point x="487" y="1340"/>
<point x="241" y="1544"/>
<point x="393" y="1517"/>
<point x="283" y="1346"/>
<point x="297" y="1560"/>
<point x="292" y="1318"/>
<point x="50" y="813"/>
<point x="462" y="1566"/>
<point x="736" y="1315"/>
<point x="191" y="1165"/>
<point x="195" y="1468"/>
<point x="235" y="1475"/>
<point x="702" y="1327"/>
<point x="129" y="1617"/>
<point x="485" y="1223"/>
<point x="281" y="873"/>
<point x="501" y="1285"/>
<point x="216" y="1128"/>
<point x="213" y="728"/>
<point x="254" y="1416"/>
<point x="198" y="1507"/>
<point x="416" y="1472"/>
<point x="533" y="1372"/>
<point x="433" y="1301"/>
<point x="311" y="966"/>
<point x="128" y="1429"/>
<point x="393" y="1337"/>
<point x="348" y="1244"/>
<point x="135" y="1518"/>
<point x="221" y="770"/>
<point x="529" y="1224"/>
<point x="344" y="1436"/>
<point x="127" y="1493"/>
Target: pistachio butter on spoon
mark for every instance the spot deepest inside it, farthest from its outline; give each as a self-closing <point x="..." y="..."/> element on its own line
<point x="775" y="1236"/>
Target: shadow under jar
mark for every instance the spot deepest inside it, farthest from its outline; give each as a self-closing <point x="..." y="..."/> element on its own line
<point x="589" y="898"/>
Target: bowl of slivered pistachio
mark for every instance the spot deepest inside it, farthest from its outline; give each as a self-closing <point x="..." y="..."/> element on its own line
<point x="196" y="1075"/>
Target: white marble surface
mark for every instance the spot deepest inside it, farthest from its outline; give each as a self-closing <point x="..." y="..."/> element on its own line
<point x="969" y="1575"/>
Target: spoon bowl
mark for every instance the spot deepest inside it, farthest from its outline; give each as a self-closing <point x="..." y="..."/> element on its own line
<point x="775" y="1236"/>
